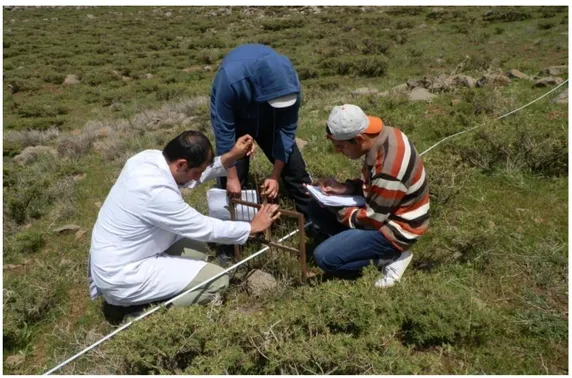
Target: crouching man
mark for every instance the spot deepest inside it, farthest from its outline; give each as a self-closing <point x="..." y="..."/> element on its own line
<point x="394" y="185"/>
<point x="148" y="244"/>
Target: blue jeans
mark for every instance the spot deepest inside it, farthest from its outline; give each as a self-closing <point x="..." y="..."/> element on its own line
<point x="347" y="251"/>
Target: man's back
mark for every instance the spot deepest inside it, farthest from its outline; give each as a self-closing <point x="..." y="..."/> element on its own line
<point x="395" y="181"/>
<point x="121" y="235"/>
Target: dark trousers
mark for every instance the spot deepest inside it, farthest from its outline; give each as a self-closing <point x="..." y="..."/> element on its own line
<point x="294" y="174"/>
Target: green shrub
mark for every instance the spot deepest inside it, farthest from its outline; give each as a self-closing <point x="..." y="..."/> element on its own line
<point x="517" y="146"/>
<point x="368" y="66"/>
<point x="26" y="301"/>
<point x="41" y="109"/>
<point x="375" y="46"/>
<point x="25" y="243"/>
<point x="406" y="11"/>
<point x="22" y="85"/>
<point x="506" y="16"/>
<point x="281" y="24"/>
<point x="337" y="321"/>
<point x="305" y="73"/>
<point x="545" y="25"/>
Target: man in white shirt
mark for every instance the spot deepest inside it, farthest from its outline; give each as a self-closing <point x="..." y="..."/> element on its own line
<point x="147" y="241"/>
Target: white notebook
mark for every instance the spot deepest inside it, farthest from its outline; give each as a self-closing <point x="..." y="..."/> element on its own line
<point x="334" y="199"/>
<point x="218" y="204"/>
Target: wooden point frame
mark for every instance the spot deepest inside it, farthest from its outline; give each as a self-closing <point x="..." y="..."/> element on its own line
<point x="300" y="252"/>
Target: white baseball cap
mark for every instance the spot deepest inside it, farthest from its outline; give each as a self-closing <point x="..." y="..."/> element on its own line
<point x="284" y="101"/>
<point x="347" y="121"/>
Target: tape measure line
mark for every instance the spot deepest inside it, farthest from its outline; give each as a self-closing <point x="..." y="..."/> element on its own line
<point x="496" y="119"/>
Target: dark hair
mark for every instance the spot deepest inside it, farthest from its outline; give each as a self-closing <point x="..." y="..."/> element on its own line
<point x="329" y="132"/>
<point x="193" y="146"/>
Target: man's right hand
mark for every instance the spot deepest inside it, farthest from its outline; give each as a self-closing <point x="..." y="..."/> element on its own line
<point x="331" y="186"/>
<point x="233" y="187"/>
<point x="266" y="215"/>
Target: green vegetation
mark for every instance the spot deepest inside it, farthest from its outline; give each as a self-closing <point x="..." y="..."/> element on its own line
<point x="487" y="292"/>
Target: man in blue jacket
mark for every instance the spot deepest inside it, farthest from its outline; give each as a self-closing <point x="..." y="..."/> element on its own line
<point x="256" y="91"/>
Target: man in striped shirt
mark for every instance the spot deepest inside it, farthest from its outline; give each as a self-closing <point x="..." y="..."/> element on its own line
<point x="394" y="185"/>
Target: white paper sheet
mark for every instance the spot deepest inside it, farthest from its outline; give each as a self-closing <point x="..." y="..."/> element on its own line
<point x="218" y="205"/>
<point x="335" y="200"/>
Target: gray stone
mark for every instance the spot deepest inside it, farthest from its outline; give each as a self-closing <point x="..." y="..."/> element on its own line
<point x="421" y="94"/>
<point x="71" y="80"/>
<point x="91" y="16"/>
<point x="554" y="70"/>
<point x="259" y="282"/>
<point x="67" y="227"/>
<point x="438" y="84"/>
<point x="517" y="74"/>
<point x="401" y="89"/>
<point x="411" y="84"/>
<point x="14" y="360"/>
<point x="301" y="143"/>
<point x="79" y="234"/>
<point x="493" y="80"/>
<point x="364" y="91"/>
<point x="463" y="81"/>
<point x="562" y="98"/>
<point x="547" y="81"/>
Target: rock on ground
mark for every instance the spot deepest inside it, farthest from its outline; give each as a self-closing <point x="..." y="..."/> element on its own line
<point x="494" y="80"/>
<point x="71" y="80"/>
<point x="364" y="91"/>
<point x="420" y="94"/>
<point x="463" y="81"/>
<point x="554" y="70"/>
<point x="67" y="227"/>
<point x="562" y="98"/>
<point x="545" y="82"/>
<point x="301" y="143"/>
<point x="517" y="74"/>
<point x="259" y="282"/>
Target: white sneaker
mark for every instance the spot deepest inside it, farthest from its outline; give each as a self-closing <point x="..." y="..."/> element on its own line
<point x="393" y="271"/>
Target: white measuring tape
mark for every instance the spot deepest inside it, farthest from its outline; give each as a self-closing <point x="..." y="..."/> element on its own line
<point x="496" y="119"/>
<point x="255" y="254"/>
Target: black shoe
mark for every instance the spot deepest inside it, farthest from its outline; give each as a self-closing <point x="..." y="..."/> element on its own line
<point x="225" y="255"/>
<point x="117" y="314"/>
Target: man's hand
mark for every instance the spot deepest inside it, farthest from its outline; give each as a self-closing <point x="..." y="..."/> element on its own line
<point x="331" y="186"/>
<point x="244" y="146"/>
<point x="267" y="214"/>
<point x="271" y="187"/>
<point x="233" y="187"/>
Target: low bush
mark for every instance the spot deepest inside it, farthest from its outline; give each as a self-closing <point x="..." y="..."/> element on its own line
<point x="281" y="24"/>
<point x="517" y="146"/>
<point x="368" y="66"/>
<point x="498" y="15"/>
<point x="348" y="328"/>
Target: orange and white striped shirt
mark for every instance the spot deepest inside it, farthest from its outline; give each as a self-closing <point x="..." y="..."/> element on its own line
<point x="394" y="184"/>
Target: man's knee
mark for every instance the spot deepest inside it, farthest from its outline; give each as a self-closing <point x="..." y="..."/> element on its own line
<point x="220" y="284"/>
<point x="323" y="258"/>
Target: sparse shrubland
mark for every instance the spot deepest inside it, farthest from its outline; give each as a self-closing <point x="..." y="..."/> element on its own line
<point x="487" y="289"/>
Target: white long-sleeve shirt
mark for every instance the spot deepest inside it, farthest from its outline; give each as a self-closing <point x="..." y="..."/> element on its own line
<point x="141" y="217"/>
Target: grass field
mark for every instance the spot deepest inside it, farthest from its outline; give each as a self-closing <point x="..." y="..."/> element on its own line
<point x="487" y="290"/>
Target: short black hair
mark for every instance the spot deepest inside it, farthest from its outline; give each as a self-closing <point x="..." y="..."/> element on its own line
<point x="191" y="145"/>
<point x="329" y="132"/>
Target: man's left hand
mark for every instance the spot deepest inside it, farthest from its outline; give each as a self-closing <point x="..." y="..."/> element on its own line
<point x="271" y="187"/>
